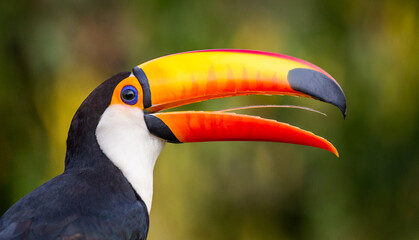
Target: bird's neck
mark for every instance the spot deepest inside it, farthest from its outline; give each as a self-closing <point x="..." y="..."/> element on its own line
<point x="111" y="139"/>
<point x="127" y="142"/>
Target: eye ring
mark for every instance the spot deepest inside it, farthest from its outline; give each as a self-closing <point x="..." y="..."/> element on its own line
<point x="129" y="95"/>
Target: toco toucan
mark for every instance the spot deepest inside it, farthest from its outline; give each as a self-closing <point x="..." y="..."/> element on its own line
<point x="116" y="135"/>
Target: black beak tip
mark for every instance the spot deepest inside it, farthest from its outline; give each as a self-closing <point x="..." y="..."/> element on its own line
<point x="318" y="86"/>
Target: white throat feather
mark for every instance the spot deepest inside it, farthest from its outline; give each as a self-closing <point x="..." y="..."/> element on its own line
<point x="124" y="138"/>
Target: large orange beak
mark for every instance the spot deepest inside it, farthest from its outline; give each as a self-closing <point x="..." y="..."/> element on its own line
<point x="184" y="78"/>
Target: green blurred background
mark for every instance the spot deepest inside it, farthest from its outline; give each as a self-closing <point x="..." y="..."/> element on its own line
<point x="53" y="53"/>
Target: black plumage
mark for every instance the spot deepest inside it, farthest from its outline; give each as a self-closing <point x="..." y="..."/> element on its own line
<point x="92" y="199"/>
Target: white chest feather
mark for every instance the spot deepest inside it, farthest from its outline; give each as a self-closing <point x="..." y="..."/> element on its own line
<point x="124" y="138"/>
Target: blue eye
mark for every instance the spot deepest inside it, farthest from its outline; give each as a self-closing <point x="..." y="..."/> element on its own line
<point x="129" y="95"/>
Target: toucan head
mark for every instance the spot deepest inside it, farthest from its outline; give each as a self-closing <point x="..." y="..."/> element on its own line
<point x="124" y="113"/>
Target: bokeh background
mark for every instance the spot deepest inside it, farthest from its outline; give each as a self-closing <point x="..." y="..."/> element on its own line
<point x="53" y="53"/>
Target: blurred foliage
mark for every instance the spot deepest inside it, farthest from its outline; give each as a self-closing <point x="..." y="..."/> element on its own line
<point x="53" y="53"/>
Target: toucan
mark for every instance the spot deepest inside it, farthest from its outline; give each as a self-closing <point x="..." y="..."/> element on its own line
<point x="116" y="135"/>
